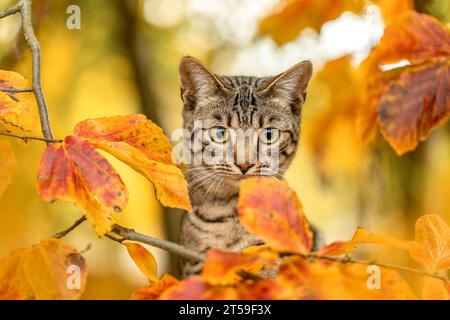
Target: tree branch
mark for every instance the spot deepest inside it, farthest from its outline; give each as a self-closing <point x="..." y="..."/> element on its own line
<point x="35" y="48"/>
<point x="130" y="234"/>
<point x="26" y="138"/>
<point x="63" y="233"/>
<point x="10" y="11"/>
<point x="15" y="90"/>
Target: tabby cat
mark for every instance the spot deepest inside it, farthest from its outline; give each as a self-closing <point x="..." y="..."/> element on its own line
<point x="268" y="107"/>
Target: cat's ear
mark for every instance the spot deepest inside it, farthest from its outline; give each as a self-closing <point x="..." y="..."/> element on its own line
<point x="196" y="81"/>
<point x="291" y="84"/>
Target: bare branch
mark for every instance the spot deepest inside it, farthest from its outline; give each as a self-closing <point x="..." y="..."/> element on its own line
<point x="16" y="90"/>
<point x="10" y="11"/>
<point x="26" y="138"/>
<point x="129" y="234"/>
<point x="63" y="233"/>
<point x="35" y="48"/>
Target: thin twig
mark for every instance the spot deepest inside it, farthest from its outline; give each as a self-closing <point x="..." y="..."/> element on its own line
<point x="129" y="234"/>
<point x="15" y="90"/>
<point x="63" y="233"/>
<point x="35" y="48"/>
<point x="26" y="138"/>
<point x="10" y="11"/>
<point x="347" y="259"/>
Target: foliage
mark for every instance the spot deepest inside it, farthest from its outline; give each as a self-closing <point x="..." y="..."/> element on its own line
<point x="403" y="103"/>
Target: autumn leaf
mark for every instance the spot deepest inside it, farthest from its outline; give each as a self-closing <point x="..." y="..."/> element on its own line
<point x="432" y="243"/>
<point x="196" y="288"/>
<point x="142" y="145"/>
<point x="223" y="268"/>
<point x="8" y="165"/>
<point x="19" y="108"/>
<point x="362" y="236"/>
<point x="144" y="260"/>
<point x="43" y="272"/>
<point x="292" y="16"/>
<point x="435" y="289"/>
<point x="155" y="289"/>
<point x="407" y="116"/>
<point x="74" y="171"/>
<point x="268" y="208"/>
<point x="391" y="10"/>
<point x="326" y="280"/>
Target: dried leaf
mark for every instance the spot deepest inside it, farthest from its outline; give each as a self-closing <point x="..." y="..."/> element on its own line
<point x="271" y="210"/>
<point x="8" y="165"/>
<point x="44" y="271"/>
<point x="432" y="243"/>
<point x="74" y="171"/>
<point x="17" y="109"/>
<point x="142" y="145"/>
<point x="144" y="260"/>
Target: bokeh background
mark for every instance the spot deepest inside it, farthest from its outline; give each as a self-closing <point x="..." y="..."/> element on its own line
<point x="124" y="60"/>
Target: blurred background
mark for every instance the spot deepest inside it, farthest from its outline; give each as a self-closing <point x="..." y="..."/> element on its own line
<point x="124" y="60"/>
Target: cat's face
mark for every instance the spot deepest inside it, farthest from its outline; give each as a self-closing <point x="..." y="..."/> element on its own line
<point x="241" y="126"/>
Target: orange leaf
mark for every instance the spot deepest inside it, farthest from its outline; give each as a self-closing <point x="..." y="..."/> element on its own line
<point x="271" y="210"/>
<point x="222" y="268"/>
<point x="408" y="116"/>
<point x="414" y="37"/>
<point x="363" y="237"/>
<point x="411" y="101"/>
<point x="292" y="16"/>
<point x="197" y="289"/>
<point x="8" y="165"/>
<point x="435" y="289"/>
<point x="17" y="109"/>
<point x="327" y="280"/>
<point x="154" y="290"/>
<point x="142" y="145"/>
<point x="74" y="171"/>
<point x="391" y="10"/>
<point x="144" y="260"/>
<point x="51" y="269"/>
<point x="432" y="243"/>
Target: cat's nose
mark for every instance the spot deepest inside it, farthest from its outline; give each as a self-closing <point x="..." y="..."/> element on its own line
<point x="244" y="167"/>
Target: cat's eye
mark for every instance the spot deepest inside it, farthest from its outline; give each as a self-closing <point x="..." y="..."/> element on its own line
<point x="269" y="135"/>
<point x="219" y="134"/>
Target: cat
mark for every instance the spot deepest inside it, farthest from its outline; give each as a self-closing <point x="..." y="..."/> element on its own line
<point x="223" y="105"/>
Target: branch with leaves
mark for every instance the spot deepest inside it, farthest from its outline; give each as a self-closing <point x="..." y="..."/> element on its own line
<point x="66" y="173"/>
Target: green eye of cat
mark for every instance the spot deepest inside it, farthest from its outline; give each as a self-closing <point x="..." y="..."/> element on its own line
<point x="219" y="134"/>
<point x="269" y="135"/>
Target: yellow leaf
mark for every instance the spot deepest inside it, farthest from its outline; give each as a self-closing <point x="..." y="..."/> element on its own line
<point x="18" y="109"/>
<point x="434" y="289"/>
<point x="144" y="260"/>
<point x="432" y="243"/>
<point x="51" y="269"/>
<point x="142" y="145"/>
<point x="7" y="165"/>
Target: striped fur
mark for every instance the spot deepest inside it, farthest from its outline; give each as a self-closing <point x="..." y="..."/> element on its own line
<point x="233" y="102"/>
